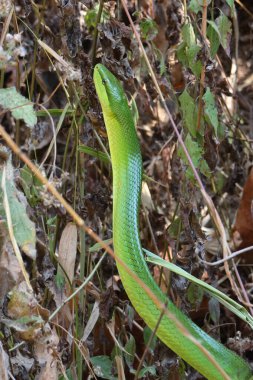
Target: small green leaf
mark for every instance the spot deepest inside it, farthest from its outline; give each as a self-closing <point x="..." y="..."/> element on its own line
<point x="219" y="180"/>
<point x="91" y="17"/>
<point x="102" y="366"/>
<point x="130" y="347"/>
<point x="189" y="109"/>
<point x="214" y="27"/>
<point x="231" y="3"/>
<point x="175" y="228"/>
<point x="148" y="29"/>
<point x="211" y="110"/>
<point x="196" y="153"/>
<point x="195" y="294"/>
<point x="24" y="228"/>
<point x="224" y="26"/>
<point x="188" y="35"/>
<point x="220" y="29"/>
<point x="181" y="54"/>
<point x="196" y="68"/>
<point x="214" y="310"/>
<point x="20" y="107"/>
<point x="145" y="370"/>
<point x="187" y="51"/>
<point x="97" y="246"/>
<point x="60" y="280"/>
<point x="31" y="185"/>
<point x="195" y="6"/>
<point x="214" y="38"/>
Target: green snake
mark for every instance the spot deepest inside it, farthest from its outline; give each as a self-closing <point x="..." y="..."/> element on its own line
<point x="127" y="181"/>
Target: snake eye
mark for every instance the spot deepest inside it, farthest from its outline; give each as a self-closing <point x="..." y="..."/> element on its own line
<point x="103" y="81"/>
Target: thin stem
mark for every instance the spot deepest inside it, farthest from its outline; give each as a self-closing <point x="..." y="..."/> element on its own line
<point x="202" y="76"/>
<point x="149" y="343"/>
<point x="94" y="44"/>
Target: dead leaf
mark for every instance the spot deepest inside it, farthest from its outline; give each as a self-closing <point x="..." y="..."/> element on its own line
<point x="91" y="322"/>
<point x="146" y="198"/>
<point x="46" y="353"/>
<point x="10" y="270"/>
<point x="67" y="250"/>
<point x="24" y="314"/>
<point x="22" y="303"/>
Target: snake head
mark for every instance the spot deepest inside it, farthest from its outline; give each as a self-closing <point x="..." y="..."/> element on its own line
<point x="110" y="91"/>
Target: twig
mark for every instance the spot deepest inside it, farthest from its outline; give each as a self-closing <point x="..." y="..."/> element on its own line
<point x="232" y="256"/>
<point x="149" y="343"/>
<point x="95" y="38"/>
<point x="202" y="76"/>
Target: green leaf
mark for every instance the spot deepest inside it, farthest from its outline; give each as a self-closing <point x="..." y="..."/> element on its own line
<point x="214" y="26"/>
<point x="130" y="348"/>
<point x="195" y="6"/>
<point x="211" y="110"/>
<point x="181" y="54"/>
<point x="219" y="32"/>
<point x="31" y="185"/>
<point x="91" y="17"/>
<point x="231" y="3"/>
<point x="145" y="370"/>
<point x="148" y="28"/>
<point x="175" y="228"/>
<point x="24" y="228"/>
<point x="214" y="310"/>
<point x="18" y="105"/>
<point x="97" y="246"/>
<point x="195" y="294"/>
<point x="147" y="332"/>
<point x="214" y="40"/>
<point x="189" y="109"/>
<point x="196" y="68"/>
<point x="188" y="35"/>
<point x="187" y="51"/>
<point x="228" y="302"/>
<point x="196" y="153"/>
<point x="102" y="366"/>
<point x="224" y="26"/>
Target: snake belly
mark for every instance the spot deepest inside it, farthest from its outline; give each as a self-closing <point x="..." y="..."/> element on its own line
<point x="127" y="179"/>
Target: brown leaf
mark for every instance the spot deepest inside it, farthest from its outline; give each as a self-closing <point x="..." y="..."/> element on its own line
<point x="10" y="270"/>
<point x="67" y="250"/>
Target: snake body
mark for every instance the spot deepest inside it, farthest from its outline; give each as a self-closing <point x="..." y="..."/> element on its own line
<point x="127" y="180"/>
